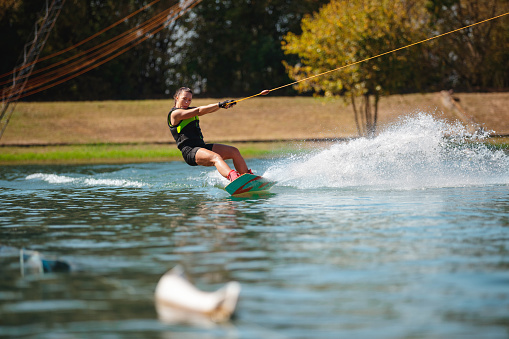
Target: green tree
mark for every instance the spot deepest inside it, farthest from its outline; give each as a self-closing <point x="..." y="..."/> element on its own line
<point x="347" y="31"/>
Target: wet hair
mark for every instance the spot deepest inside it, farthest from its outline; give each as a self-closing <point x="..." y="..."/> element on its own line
<point x="179" y="91"/>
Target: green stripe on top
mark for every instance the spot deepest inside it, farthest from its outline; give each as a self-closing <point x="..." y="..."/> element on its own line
<point x="185" y="122"/>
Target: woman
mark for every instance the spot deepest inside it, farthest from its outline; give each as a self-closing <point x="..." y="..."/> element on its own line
<point x="185" y="127"/>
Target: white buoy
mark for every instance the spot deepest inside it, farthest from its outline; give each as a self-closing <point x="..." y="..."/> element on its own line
<point x="177" y="300"/>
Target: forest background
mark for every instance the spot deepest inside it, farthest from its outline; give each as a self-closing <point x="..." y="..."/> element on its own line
<point x="234" y="48"/>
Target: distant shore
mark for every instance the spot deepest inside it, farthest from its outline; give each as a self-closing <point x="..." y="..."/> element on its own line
<point x="136" y="131"/>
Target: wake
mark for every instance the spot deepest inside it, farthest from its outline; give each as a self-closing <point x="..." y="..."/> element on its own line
<point x="418" y="151"/>
<point x="63" y="179"/>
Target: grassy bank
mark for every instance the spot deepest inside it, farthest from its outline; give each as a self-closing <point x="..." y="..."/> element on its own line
<point x="78" y="154"/>
<point x="136" y="131"/>
<point x="125" y="153"/>
<point x="132" y="153"/>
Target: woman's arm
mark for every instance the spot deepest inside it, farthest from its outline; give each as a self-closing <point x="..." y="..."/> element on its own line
<point x="181" y="114"/>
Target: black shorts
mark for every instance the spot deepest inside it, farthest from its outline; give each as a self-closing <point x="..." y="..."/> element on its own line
<point x="189" y="153"/>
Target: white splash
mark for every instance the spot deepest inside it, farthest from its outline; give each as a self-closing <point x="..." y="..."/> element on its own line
<point x="113" y="182"/>
<point x="419" y="151"/>
<point x="62" y="179"/>
<point x="214" y="178"/>
<point x="51" y="178"/>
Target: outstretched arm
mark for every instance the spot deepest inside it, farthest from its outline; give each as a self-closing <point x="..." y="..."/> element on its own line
<point x="181" y="114"/>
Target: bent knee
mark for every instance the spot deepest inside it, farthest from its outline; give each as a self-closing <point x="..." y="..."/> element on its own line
<point x="233" y="152"/>
<point x="226" y="151"/>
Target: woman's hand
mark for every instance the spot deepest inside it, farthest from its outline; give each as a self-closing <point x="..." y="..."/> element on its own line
<point x="227" y="104"/>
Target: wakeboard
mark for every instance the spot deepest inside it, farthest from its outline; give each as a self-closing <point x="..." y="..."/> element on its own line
<point x="249" y="183"/>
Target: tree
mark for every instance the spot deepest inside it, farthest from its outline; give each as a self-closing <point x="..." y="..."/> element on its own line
<point x="476" y="58"/>
<point x="220" y="48"/>
<point x="233" y="47"/>
<point x="134" y="75"/>
<point x="347" y="31"/>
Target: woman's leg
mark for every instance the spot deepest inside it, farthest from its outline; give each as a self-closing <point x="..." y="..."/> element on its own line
<point x="204" y="157"/>
<point x="230" y="152"/>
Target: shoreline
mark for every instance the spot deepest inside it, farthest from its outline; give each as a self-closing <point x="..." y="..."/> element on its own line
<point x="122" y="153"/>
<point x="136" y="131"/>
<point x="81" y="154"/>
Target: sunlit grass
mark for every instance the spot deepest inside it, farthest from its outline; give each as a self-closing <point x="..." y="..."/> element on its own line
<point x="87" y="153"/>
<point x="119" y="153"/>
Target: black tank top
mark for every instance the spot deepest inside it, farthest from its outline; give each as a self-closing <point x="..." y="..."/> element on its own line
<point x="187" y="132"/>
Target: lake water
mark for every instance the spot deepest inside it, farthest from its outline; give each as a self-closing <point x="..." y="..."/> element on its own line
<point x="402" y="236"/>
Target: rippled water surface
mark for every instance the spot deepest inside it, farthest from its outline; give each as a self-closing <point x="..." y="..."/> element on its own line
<point x="402" y="236"/>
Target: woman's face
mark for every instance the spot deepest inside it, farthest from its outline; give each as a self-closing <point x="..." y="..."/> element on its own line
<point x="184" y="100"/>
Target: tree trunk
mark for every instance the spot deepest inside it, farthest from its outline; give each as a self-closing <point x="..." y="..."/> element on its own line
<point x="366" y="116"/>
<point x="356" y="116"/>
